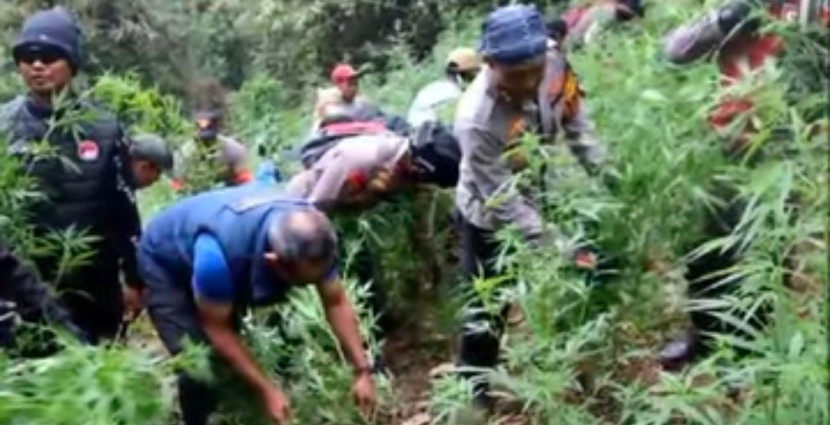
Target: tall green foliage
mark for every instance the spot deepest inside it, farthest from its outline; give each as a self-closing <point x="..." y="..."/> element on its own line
<point x="585" y="353"/>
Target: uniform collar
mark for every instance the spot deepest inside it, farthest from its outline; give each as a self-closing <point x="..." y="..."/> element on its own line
<point x="43" y="111"/>
<point x="264" y="285"/>
<point x="37" y="108"/>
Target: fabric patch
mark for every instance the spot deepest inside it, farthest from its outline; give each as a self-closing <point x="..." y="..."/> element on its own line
<point x="88" y="150"/>
<point x="789" y="12"/>
<point x="359" y="127"/>
<point x="571" y="95"/>
<point x="358" y="180"/>
<point x="586" y="260"/>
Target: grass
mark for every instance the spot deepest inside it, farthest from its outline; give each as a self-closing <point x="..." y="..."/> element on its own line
<point x="585" y="354"/>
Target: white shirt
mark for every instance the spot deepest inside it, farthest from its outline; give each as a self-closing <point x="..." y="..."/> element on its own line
<point x="430" y="99"/>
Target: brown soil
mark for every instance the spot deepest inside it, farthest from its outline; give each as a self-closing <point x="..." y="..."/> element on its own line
<point x="411" y="352"/>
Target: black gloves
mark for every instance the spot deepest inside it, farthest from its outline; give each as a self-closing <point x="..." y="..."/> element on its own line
<point x="740" y="15"/>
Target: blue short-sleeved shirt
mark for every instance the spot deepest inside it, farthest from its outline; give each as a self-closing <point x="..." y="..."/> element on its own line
<point x="211" y="274"/>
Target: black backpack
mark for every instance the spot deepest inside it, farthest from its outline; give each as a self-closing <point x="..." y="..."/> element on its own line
<point x="436" y="155"/>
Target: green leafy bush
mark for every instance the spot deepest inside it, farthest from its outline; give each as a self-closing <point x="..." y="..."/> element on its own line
<point x="585" y="353"/>
<point x="99" y="386"/>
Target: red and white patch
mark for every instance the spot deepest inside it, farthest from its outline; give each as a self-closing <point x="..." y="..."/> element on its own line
<point x="789" y="12"/>
<point x="586" y="260"/>
<point x="88" y="151"/>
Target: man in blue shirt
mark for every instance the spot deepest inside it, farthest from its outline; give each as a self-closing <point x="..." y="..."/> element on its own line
<point x="210" y="257"/>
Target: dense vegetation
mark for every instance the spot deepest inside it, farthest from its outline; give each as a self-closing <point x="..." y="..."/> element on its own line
<point x="585" y="352"/>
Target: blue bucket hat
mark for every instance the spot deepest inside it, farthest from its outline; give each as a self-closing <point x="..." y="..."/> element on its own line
<point x="514" y="34"/>
<point x="53" y="28"/>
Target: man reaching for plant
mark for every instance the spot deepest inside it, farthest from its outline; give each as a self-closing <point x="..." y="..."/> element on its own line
<point x="734" y="35"/>
<point x="150" y="156"/>
<point x="209" y="258"/>
<point x="353" y="165"/>
<point x="353" y="174"/>
<point x="525" y="87"/>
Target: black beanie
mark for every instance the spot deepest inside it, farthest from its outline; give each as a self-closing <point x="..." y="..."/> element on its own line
<point x="53" y="28"/>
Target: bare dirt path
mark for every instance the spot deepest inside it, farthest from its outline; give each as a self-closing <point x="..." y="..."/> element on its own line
<point x="412" y="351"/>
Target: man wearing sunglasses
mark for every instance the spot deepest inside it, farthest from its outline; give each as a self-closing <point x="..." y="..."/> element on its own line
<point x="85" y="174"/>
<point x="525" y="88"/>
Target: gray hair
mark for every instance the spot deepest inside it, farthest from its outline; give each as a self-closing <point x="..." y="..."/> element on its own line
<point x="304" y="234"/>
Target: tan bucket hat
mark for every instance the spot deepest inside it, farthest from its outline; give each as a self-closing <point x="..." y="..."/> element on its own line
<point x="464" y="59"/>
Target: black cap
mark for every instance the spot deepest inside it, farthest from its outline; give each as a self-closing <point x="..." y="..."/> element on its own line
<point x="53" y="28"/>
<point x="153" y="148"/>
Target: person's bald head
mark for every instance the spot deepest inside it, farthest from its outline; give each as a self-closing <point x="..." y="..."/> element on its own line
<point x="303" y="243"/>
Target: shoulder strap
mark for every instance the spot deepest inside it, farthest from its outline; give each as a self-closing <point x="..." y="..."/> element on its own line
<point x="556" y="76"/>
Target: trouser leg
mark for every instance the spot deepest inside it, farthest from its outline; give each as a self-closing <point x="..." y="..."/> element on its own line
<point x="197" y="400"/>
<point x="710" y="275"/>
<point x="713" y="274"/>
<point x="92" y="293"/>
<point x="422" y="235"/>
<point x="173" y="313"/>
<point x="482" y="330"/>
<point x="7" y="319"/>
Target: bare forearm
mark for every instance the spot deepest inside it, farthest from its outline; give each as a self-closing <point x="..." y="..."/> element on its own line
<point x="231" y="348"/>
<point x="343" y="320"/>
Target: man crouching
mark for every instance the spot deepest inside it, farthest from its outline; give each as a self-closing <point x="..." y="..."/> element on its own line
<point x="210" y="257"/>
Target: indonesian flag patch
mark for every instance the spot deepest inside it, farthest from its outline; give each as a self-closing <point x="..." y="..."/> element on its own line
<point x="586" y="260"/>
<point x="88" y="150"/>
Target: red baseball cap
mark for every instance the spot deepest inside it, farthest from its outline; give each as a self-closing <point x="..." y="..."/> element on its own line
<point x="343" y="72"/>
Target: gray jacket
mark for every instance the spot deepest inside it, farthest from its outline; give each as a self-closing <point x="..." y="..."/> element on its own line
<point x="485" y="126"/>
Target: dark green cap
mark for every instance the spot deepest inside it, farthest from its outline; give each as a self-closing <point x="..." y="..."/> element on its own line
<point x="153" y="148"/>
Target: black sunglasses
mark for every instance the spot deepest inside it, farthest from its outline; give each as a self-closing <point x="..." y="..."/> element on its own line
<point x="44" y="56"/>
<point x="468" y="76"/>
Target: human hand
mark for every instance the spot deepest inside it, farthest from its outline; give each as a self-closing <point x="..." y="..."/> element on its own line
<point x="277" y="407"/>
<point x="380" y="183"/>
<point x="133" y="302"/>
<point x="365" y="394"/>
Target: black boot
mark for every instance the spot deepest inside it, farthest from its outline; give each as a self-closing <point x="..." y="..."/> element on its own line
<point x="683" y="350"/>
<point x="479" y="349"/>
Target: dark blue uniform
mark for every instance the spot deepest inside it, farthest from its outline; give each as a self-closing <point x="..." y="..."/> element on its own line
<point x="86" y="187"/>
<point x="237" y="219"/>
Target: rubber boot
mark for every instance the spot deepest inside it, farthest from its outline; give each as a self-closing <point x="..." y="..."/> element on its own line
<point x="683" y="350"/>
